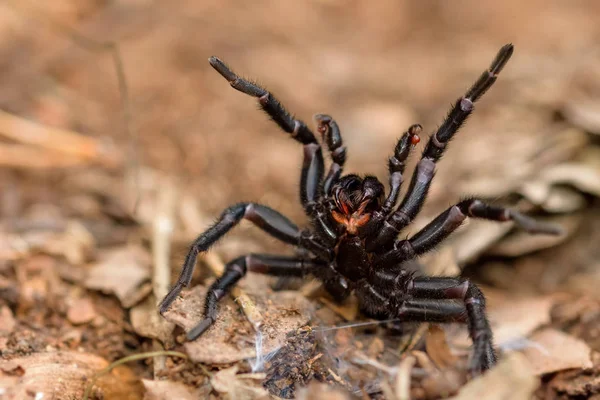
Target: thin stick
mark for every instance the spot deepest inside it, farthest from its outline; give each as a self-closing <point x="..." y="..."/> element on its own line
<point x="61" y="141"/>
<point x="135" y="357"/>
<point x="161" y="248"/>
<point x="23" y="156"/>
<point x="402" y="386"/>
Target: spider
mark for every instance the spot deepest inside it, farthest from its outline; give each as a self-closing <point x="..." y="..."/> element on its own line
<point x="352" y="245"/>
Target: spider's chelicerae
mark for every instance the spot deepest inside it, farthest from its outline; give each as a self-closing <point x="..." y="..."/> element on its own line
<point x="352" y="245"/>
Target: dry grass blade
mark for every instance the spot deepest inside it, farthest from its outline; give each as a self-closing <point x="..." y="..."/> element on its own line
<point x="49" y="140"/>
<point x="161" y="247"/>
<point x="402" y="384"/>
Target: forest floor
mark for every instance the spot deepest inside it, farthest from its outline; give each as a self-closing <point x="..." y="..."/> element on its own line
<point x="119" y="145"/>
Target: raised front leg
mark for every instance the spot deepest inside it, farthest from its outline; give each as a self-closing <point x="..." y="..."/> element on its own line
<point x="313" y="164"/>
<point x="264" y="217"/>
<point x="423" y="175"/>
<point x="236" y="269"/>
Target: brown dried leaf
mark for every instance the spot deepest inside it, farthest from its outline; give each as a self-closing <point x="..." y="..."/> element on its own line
<point x="347" y="310"/>
<point x="234" y="387"/>
<point x="437" y="348"/>
<point x="512" y="378"/>
<point x="168" y="390"/>
<point x="476" y="239"/>
<point x="517" y="318"/>
<point x="65" y="374"/>
<point x="81" y="311"/>
<point x="120" y="272"/>
<point x="231" y="338"/>
<point x="75" y="243"/>
<point x="582" y="176"/>
<point x="148" y="322"/>
<point x="441" y="263"/>
<point x="585" y="114"/>
<point x="7" y="321"/>
<point x="553" y="199"/>
<point x="576" y="384"/>
<point x="557" y="351"/>
<point x="585" y="283"/>
<point x="520" y="242"/>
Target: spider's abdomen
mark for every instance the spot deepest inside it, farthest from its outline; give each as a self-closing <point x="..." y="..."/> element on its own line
<point x="352" y="259"/>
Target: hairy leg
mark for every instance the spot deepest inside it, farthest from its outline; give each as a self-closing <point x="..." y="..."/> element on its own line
<point x="264" y="217"/>
<point x="424" y="172"/>
<point x="448" y="221"/>
<point x="236" y="269"/>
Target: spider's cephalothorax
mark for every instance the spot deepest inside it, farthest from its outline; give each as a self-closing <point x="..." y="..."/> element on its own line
<point x="352" y="244"/>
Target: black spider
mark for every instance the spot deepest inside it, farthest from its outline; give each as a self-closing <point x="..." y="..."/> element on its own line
<point x="353" y="245"/>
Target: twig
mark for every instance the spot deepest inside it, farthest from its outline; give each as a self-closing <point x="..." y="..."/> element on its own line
<point x="22" y="156"/>
<point x="402" y="386"/>
<point x="124" y="360"/>
<point x="58" y="140"/>
<point x="161" y="248"/>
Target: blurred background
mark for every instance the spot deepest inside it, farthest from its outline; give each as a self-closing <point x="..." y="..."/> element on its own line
<point x="130" y="123"/>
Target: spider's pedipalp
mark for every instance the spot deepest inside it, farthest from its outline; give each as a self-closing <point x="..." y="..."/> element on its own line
<point x="332" y="136"/>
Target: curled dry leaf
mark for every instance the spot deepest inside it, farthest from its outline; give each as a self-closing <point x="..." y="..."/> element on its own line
<point x="235" y="387"/>
<point x="65" y="374"/>
<point x="585" y="114"/>
<point x="476" y="239"/>
<point x="120" y="272"/>
<point x="557" y="351"/>
<point x="552" y="199"/>
<point x="231" y="338"/>
<point x="437" y="348"/>
<point x="520" y="243"/>
<point x="584" y="177"/>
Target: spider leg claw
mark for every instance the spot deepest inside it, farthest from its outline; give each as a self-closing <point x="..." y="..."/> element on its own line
<point x="199" y="329"/>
